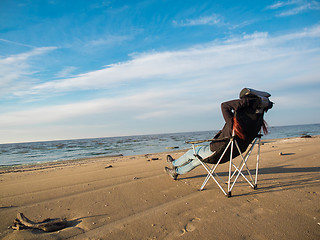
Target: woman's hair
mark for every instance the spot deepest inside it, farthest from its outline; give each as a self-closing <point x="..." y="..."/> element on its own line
<point x="265" y="127"/>
<point x="238" y="130"/>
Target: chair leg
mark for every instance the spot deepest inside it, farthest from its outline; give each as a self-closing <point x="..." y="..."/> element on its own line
<point x="232" y="175"/>
<point x="230" y="166"/>
<point x="212" y="170"/>
<point x="257" y="166"/>
<point x="244" y="164"/>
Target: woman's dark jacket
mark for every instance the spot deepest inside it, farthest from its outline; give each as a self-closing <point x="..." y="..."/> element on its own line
<point x="250" y="120"/>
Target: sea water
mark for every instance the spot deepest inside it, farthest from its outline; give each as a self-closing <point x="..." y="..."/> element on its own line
<point x="49" y="151"/>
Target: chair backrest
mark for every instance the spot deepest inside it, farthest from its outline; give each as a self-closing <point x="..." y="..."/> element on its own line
<point x="251" y="125"/>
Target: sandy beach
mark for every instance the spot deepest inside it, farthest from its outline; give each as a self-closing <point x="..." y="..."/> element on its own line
<point x="131" y="197"/>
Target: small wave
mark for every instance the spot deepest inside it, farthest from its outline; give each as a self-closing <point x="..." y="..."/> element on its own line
<point x="21" y="152"/>
<point x="71" y="150"/>
<point x="60" y="145"/>
<point x="40" y="148"/>
<point x="97" y="154"/>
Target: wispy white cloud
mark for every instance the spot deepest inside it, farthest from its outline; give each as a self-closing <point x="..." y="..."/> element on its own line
<point x="16" y="43"/>
<point x="108" y="40"/>
<point x="211" y="20"/>
<point x="101" y="4"/>
<point x="66" y="72"/>
<point x="293" y="7"/>
<point x="308" y="33"/>
<point x="281" y="4"/>
<point x="136" y="104"/>
<point x="201" y="62"/>
<point x="16" y="71"/>
<point x="301" y="8"/>
<point x="49" y="114"/>
<point x="214" y="19"/>
<point x="24" y="56"/>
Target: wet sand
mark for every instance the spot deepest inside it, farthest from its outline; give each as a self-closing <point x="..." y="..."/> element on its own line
<point x="131" y="197"/>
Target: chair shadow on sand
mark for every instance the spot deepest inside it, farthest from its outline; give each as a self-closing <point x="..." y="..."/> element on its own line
<point x="306" y="176"/>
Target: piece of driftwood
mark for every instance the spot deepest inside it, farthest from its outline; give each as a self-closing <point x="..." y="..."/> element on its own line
<point x="47" y="225"/>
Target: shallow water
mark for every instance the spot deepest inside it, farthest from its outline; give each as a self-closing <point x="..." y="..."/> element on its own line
<point x="38" y="152"/>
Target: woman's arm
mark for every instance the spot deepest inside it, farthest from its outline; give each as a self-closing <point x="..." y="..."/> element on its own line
<point x="228" y="108"/>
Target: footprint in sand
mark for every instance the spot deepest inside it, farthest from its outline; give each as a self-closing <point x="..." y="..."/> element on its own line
<point x="190" y="226"/>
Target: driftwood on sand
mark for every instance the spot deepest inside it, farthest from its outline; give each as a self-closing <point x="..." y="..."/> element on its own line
<point x="48" y="225"/>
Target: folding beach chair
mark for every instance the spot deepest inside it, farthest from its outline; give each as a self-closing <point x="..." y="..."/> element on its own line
<point x="227" y="149"/>
<point x="234" y="170"/>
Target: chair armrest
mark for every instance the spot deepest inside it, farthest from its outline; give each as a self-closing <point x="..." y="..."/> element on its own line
<point x="208" y="140"/>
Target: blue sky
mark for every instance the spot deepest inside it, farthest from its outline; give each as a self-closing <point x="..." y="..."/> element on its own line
<point x="83" y="69"/>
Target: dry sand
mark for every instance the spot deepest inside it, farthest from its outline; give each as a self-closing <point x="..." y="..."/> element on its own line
<point x="136" y="199"/>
